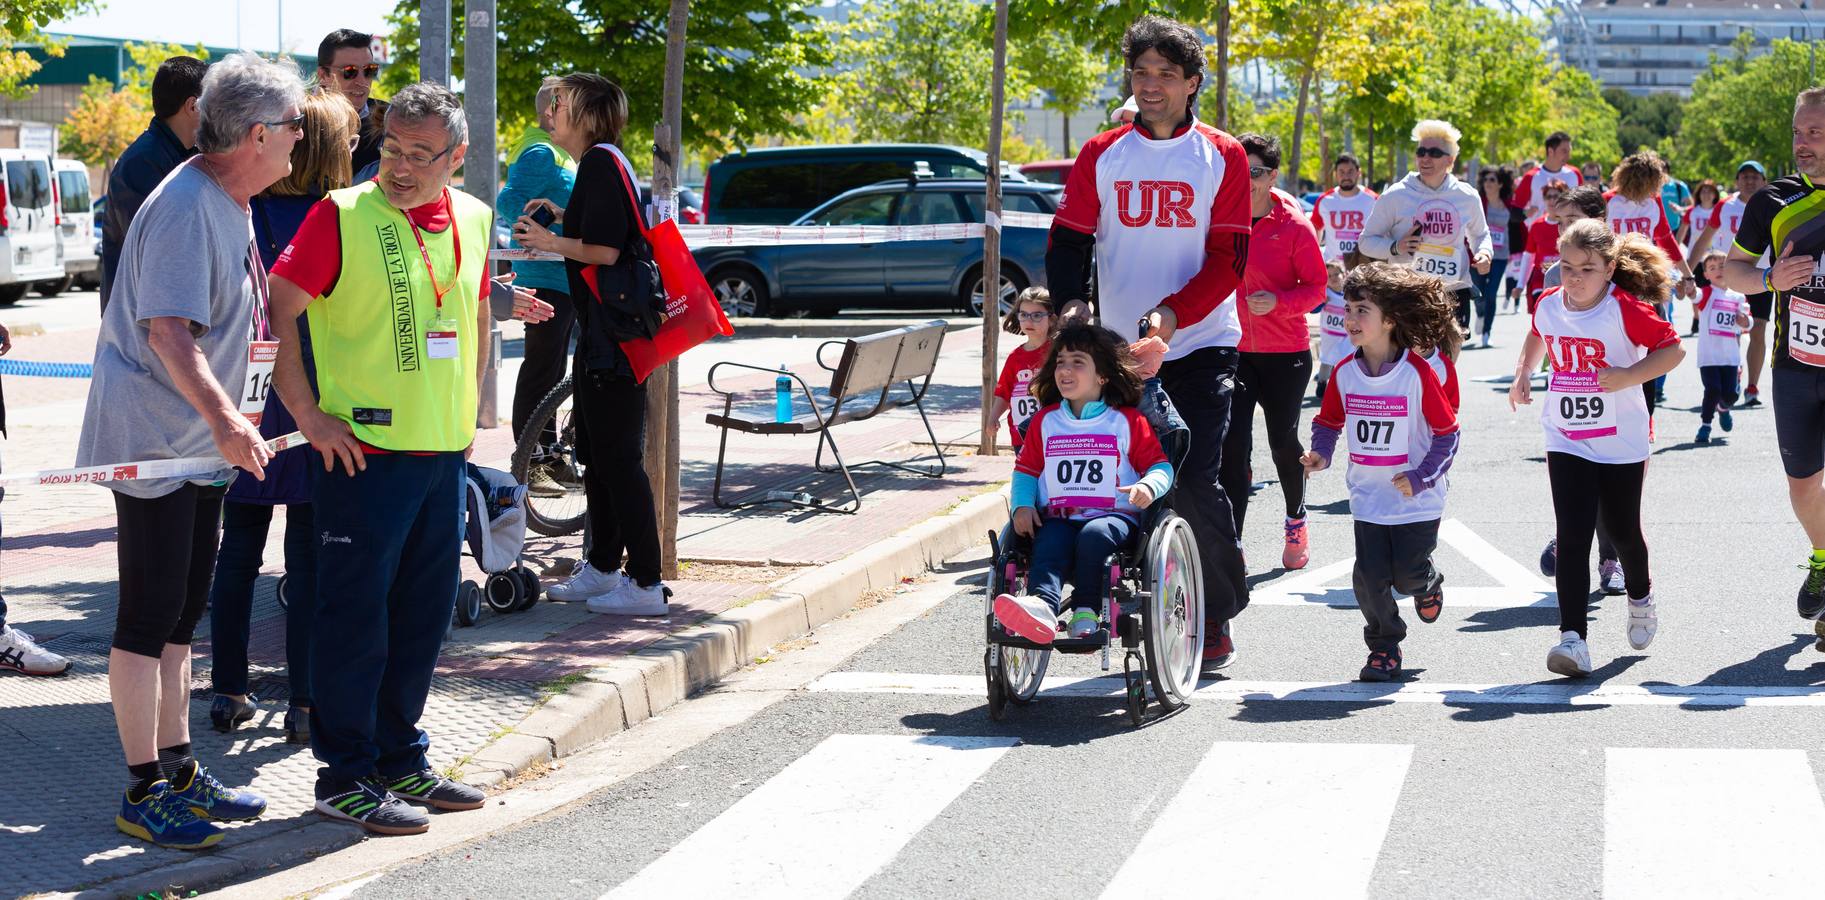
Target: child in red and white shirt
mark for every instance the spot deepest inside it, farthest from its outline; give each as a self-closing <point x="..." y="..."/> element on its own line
<point x="1034" y="318"/>
<point x="1722" y="315"/>
<point x="1090" y="464"/>
<point x="1386" y="402"/>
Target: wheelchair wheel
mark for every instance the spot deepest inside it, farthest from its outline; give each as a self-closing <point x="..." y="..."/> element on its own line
<point x="530" y="585"/>
<point x="468" y="603"/>
<point x="505" y="591"/>
<point x="1173" y="617"/>
<point x="279" y="592"/>
<point x="561" y="513"/>
<point x="1021" y="669"/>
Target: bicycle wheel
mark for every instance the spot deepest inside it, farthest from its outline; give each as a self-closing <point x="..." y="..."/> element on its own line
<point x="561" y="509"/>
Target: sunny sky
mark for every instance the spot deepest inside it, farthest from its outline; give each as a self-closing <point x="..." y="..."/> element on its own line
<point x="214" y="22"/>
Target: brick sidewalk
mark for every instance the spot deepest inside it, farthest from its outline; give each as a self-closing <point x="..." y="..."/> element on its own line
<point x="58" y="567"/>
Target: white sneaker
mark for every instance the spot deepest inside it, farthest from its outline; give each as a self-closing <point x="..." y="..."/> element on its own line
<point x="630" y="599"/>
<point x="20" y="653"/>
<point x="1644" y="621"/>
<point x="1609" y="572"/>
<point x="1571" y="657"/>
<point x="586" y="583"/>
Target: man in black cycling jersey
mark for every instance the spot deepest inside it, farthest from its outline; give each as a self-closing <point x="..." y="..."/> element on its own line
<point x="1787" y="220"/>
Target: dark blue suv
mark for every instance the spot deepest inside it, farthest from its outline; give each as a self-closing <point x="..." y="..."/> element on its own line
<point x="821" y="279"/>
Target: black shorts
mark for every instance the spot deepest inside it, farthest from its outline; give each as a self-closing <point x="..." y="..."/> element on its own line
<point x="1761" y="306"/>
<point x="1799" y="419"/>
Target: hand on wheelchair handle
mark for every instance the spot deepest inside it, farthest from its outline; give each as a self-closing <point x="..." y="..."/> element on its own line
<point x="1026" y="521"/>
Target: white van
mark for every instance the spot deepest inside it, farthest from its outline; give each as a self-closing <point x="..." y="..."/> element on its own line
<point x="75" y="230"/>
<point x="29" y="251"/>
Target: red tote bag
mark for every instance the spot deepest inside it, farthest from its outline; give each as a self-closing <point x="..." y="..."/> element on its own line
<point x="692" y="314"/>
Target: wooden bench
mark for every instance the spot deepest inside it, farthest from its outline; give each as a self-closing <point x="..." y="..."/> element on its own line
<point x="862" y="383"/>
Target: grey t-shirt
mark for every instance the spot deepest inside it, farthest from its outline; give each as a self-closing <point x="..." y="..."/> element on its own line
<point x="185" y="256"/>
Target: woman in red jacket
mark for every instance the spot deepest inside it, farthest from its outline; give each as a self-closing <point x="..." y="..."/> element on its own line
<point x="1283" y="281"/>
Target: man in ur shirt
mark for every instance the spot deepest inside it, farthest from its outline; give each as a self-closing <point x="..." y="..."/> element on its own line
<point x="1164" y="203"/>
<point x="1339" y="212"/>
<point x="1555" y="167"/>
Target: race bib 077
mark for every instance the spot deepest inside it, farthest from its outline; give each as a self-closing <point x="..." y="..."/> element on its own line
<point x="1377" y="429"/>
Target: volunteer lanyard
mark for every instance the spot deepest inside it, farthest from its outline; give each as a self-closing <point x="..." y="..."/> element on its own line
<point x="262" y="295"/>
<point x="424" y="253"/>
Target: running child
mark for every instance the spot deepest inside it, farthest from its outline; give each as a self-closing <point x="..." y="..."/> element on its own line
<point x="1333" y="341"/>
<point x="1722" y="315"/>
<point x="1387" y="402"/>
<point x="1604" y="343"/>
<point x="1034" y="318"/>
<point x="1089" y="465"/>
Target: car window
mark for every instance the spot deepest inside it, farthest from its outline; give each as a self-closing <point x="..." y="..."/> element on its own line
<point x="773" y="187"/>
<point x="868" y="209"/>
<point x="74" y="188"/>
<point x="28" y="183"/>
<point x="840" y="177"/>
<point x="930" y="208"/>
<point x="955" y="168"/>
<point x="1010" y="202"/>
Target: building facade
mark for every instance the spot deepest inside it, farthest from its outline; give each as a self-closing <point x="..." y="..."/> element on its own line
<point x="1660" y="46"/>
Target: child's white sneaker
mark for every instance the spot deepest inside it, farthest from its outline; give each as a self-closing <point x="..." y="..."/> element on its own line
<point x="1570" y="657"/>
<point x="1644" y="622"/>
<point x="1027" y="617"/>
<point x="1084" y="623"/>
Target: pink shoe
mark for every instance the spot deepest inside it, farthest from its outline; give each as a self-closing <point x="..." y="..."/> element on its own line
<point x="1298" y="546"/>
<point x="1027" y="617"/>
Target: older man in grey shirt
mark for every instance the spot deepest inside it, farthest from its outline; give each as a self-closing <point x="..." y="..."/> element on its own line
<point x="173" y="379"/>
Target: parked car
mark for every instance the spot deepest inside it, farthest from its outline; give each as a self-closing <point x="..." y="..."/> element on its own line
<point x="1051" y="171"/>
<point x="776" y="185"/>
<point x="690" y="204"/>
<point x="75" y="231"/>
<point x="29" y="250"/>
<point x="820" y="279"/>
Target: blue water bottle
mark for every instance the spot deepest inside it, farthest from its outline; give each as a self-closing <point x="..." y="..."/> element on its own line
<point x="782" y="397"/>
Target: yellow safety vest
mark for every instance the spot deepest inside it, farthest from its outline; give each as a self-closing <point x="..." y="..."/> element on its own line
<point x="374" y="369"/>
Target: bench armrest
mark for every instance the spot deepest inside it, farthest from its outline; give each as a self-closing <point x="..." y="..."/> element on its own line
<point x="820" y="353"/>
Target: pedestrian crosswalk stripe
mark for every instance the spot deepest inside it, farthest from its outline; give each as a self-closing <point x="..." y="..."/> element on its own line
<point x="825" y="823"/>
<point x="1710" y="823"/>
<point x="1252" y="814"/>
<point x="1516" y="585"/>
<point x="1556" y="693"/>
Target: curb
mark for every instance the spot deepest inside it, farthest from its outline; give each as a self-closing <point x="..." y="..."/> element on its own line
<point x="624" y="693"/>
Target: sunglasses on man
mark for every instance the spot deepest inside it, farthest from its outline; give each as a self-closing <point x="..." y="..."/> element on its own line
<point x="1432" y="152"/>
<point x="350" y="73"/>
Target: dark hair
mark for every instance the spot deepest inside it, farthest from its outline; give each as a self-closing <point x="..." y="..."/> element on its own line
<point x="1589" y="200"/>
<point x="1262" y="146"/>
<point x="1504" y="177"/>
<point x="1108" y="351"/>
<point x="1424" y="315"/>
<point x="1717" y="193"/>
<point x="1698" y="270"/>
<point x="1010" y="323"/>
<point x="1642" y="269"/>
<point x="1345" y="158"/>
<point x="177" y="80"/>
<point x="1555" y="139"/>
<point x="338" y="39"/>
<point x="1179" y="44"/>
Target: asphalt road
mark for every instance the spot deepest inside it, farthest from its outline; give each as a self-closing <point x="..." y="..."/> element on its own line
<point x="1691" y="769"/>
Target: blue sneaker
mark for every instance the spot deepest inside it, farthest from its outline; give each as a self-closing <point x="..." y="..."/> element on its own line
<point x="1723" y="419"/>
<point x="165" y="820"/>
<point x="1704" y="434"/>
<point x="212" y="799"/>
<point x="1549" y="559"/>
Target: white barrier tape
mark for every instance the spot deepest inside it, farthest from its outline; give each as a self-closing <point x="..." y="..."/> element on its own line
<point x="698" y="237"/>
<point x="185" y="467"/>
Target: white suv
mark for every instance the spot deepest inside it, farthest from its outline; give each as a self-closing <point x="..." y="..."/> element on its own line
<point x="75" y="222"/>
<point x="29" y="251"/>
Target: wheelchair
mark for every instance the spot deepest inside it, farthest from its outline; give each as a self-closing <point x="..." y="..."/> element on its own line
<point x="1153" y="605"/>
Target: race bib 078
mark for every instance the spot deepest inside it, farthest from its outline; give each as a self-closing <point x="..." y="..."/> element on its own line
<point x="1081" y="470"/>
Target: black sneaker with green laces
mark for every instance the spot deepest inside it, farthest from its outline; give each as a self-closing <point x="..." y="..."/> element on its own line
<point x="367" y="803"/>
<point x="1812" y="594"/>
<point x="435" y="790"/>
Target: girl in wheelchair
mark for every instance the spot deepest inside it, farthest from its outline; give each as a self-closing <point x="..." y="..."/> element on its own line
<point x="1388" y="403"/>
<point x="1090" y="463"/>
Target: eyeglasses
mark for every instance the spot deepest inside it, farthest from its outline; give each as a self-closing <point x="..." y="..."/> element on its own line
<point x="1033" y="316"/>
<point x="350" y="73"/>
<point x="1433" y="152"/>
<point x="415" y="160"/>
<point x="1258" y="171"/>
<point x="295" y="123"/>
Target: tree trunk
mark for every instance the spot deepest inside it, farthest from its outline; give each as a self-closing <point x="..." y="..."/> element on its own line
<point x="1067" y="147"/>
<point x="1223" y="65"/>
<point x="1290" y="175"/>
<point x="991" y="240"/>
<point x="1324" y="138"/>
<point x="661" y="460"/>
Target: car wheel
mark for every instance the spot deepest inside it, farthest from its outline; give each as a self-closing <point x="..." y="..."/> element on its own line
<point x="741" y="292"/>
<point x="12" y="293"/>
<point x="53" y="288"/>
<point x="1011" y="286"/>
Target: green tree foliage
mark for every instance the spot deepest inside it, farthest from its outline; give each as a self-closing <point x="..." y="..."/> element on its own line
<point x="1070" y="74"/>
<point x="1742" y="109"/>
<point x="108" y="117"/>
<point x="1648" y="121"/>
<point x="1579" y="109"/>
<point x="743" y="72"/>
<point x="23" y="22"/>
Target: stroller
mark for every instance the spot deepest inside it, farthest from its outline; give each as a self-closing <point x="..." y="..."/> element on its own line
<point x="495" y="530"/>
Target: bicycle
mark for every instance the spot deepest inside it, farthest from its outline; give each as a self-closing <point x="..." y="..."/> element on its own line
<point x="565" y="513"/>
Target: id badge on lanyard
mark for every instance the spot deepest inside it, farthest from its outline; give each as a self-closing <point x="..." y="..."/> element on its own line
<point x="441" y="338"/>
<point x="262" y="350"/>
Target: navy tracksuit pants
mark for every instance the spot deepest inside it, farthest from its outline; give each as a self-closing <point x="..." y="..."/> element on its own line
<point x="388" y="545"/>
